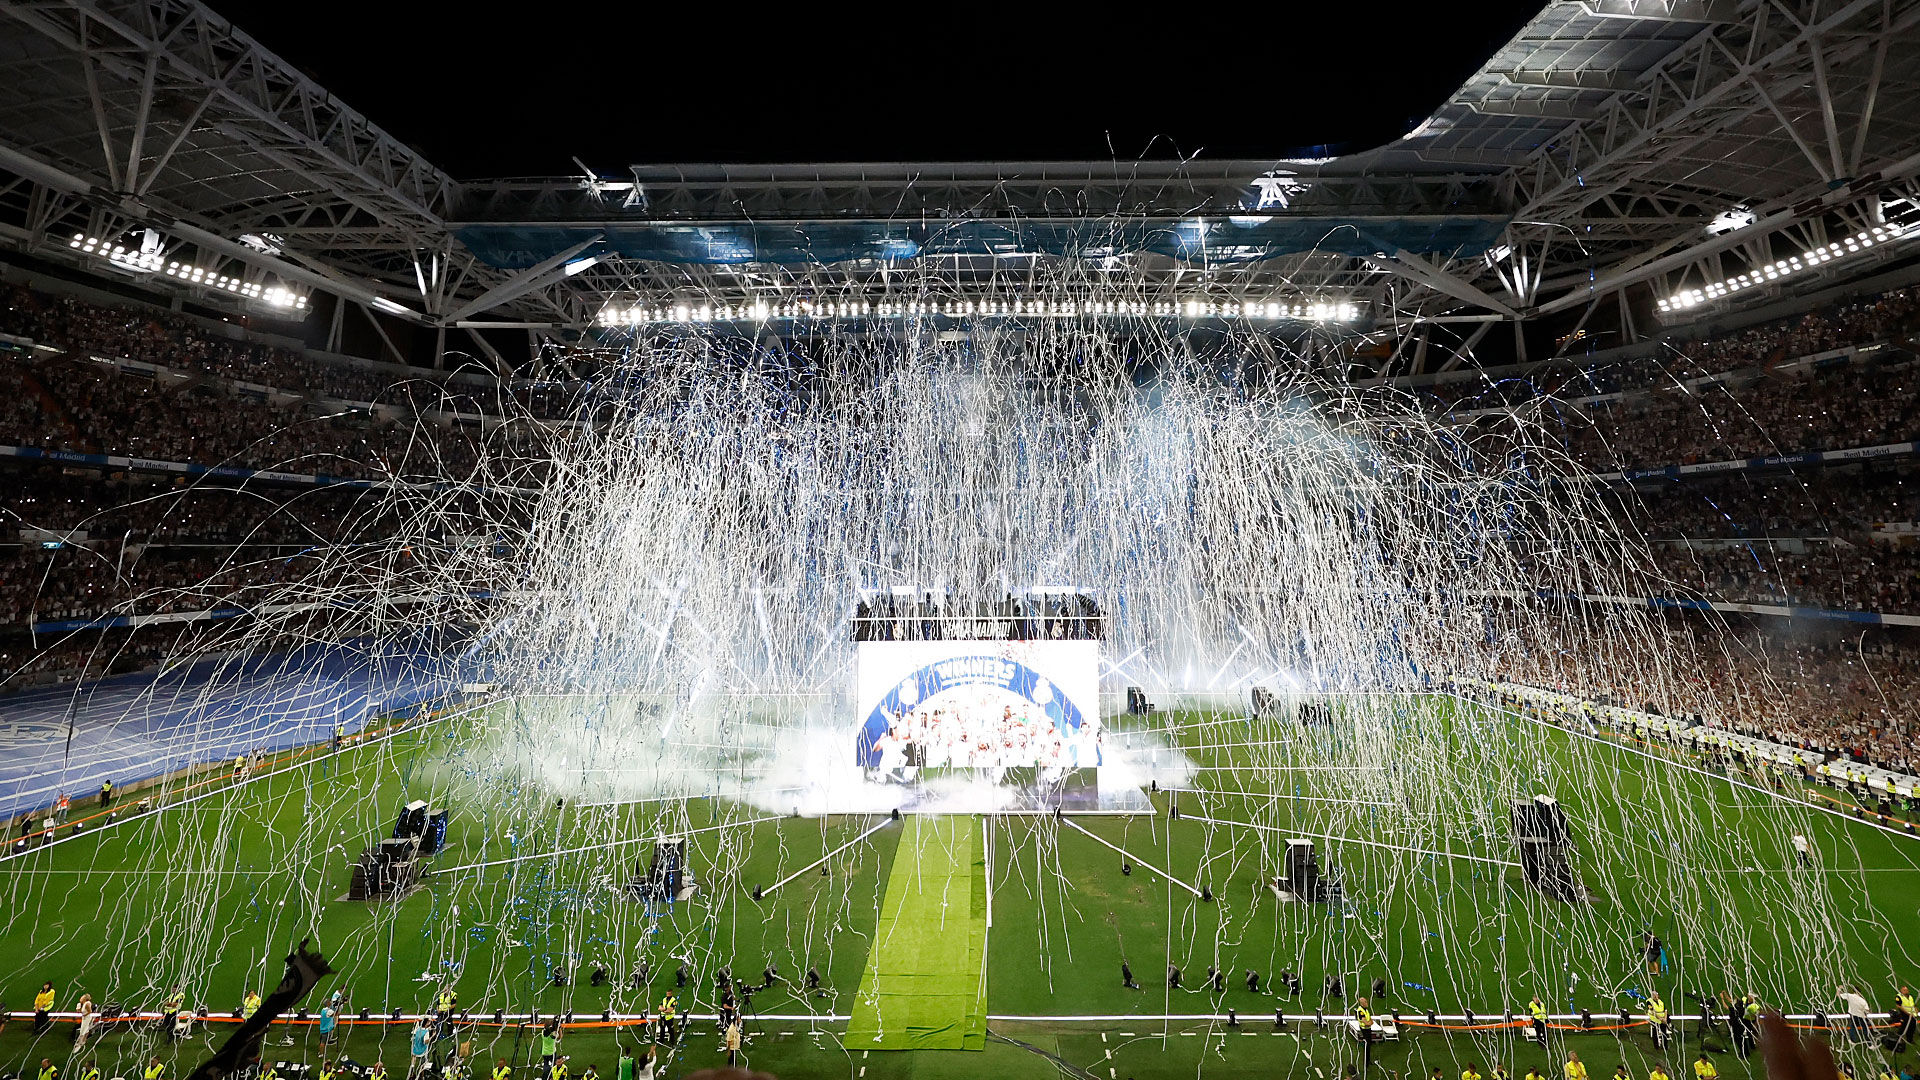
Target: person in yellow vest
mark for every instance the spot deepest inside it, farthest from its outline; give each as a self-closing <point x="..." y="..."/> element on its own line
<point x="155" y="1070"/>
<point x="1575" y="1069"/>
<point x="559" y="1070"/>
<point x="326" y="1070"/>
<point x="91" y="1071"/>
<point x="1659" y="1020"/>
<point x="1363" y="1019"/>
<point x="669" y="1014"/>
<point x="501" y="1070"/>
<point x="250" y="1005"/>
<point x="48" y="1070"/>
<point x="1905" y="1019"/>
<point x="1471" y="1072"/>
<point x="1500" y="1073"/>
<point x="170" y="1009"/>
<point x="1538" y="1010"/>
<point x="43" y="1009"/>
<point x="1534" y="1073"/>
<point x="378" y="1072"/>
<point x="1704" y="1068"/>
<point x="269" y="1071"/>
<point x="1658" y="1072"/>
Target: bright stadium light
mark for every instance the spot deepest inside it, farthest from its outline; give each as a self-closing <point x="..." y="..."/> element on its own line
<point x="1738" y="217"/>
<point x="1787" y="267"/>
<point x="144" y="259"/>
<point x="149" y="259"/>
<point x="1319" y="310"/>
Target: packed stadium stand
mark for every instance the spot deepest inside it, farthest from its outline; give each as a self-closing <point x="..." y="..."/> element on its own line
<point x="1835" y="538"/>
<point x="1399" y="581"/>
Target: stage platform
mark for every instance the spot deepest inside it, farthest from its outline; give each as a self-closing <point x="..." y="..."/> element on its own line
<point x="1013" y="791"/>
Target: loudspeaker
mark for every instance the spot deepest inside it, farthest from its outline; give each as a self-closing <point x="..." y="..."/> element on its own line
<point x="1136" y="701"/>
<point x="1303" y="878"/>
<point x="435" y="836"/>
<point x="1541" y="832"/>
<point x="669" y="864"/>
<point x="1302" y="866"/>
<point x="412" y="820"/>
<point x="667" y="877"/>
<point x="1543" y="819"/>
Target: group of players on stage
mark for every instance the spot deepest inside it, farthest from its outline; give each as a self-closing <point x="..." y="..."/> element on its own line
<point x="976" y="739"/>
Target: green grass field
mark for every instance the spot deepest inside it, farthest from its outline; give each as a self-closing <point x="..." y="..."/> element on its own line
<point x="213" y="894"/>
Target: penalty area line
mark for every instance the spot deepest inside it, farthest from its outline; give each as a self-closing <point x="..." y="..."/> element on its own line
<point x="1123" y="851"/>
<point x="1275" y="796"/>
<point x="883" y="824"/>
<point x="597" y="847"/>
<point x="1350" y="840"/>
<point x="1782" y="799"/>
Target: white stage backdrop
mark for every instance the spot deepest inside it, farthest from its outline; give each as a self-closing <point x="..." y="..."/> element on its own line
<point x="1051" y="688"/>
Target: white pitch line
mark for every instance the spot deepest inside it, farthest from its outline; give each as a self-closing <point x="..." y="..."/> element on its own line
<point x="1290" y="768"/>
<point x="884" y="822"/>
<point x="598" y="847"/>
<point x="1651" y="756"/>
<point x="1070" y="824"/>
<point x="1275" y="796"/>
<point x="732" y="796"/>
<point x="986" y="845"/>
<point x="1349" y="840"/>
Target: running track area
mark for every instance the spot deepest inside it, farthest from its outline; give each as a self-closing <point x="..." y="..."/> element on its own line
<point x="66" y="740"/>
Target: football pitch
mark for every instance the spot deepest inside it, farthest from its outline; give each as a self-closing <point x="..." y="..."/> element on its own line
<point x="960" y="946"/>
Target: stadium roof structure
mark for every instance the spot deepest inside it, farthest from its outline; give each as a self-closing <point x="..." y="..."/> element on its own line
<point x="1651" y="155"/>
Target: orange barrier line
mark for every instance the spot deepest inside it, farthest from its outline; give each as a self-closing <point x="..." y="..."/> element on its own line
<point x="226" y="1018"/>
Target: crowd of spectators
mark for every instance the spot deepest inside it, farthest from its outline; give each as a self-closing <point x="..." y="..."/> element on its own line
<point x="1888" y="316"/>
<point x="1834" y="574"/>
<point x="108" y="411"/>
<point x="1829" y="690"/>
<point x="158" y="546"/>
<point x="80" y="329"/>
<point x="75" y="582"/>
<point x="1850" y="502"/>
<point x="26" y="662"/>
<point x="134" y="544"/>
<point x="144" y="510"/>
<point x="1853" y="405"/>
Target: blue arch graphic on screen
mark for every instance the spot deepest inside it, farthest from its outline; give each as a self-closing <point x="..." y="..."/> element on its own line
<point x="977" y="670"/>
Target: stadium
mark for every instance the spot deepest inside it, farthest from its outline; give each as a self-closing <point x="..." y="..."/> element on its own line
<point x="1442" y="607"/>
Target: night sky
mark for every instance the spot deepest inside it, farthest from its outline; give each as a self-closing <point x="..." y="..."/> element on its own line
<point x="519" y="90"/>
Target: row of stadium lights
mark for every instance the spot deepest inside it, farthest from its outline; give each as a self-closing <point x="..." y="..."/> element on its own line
<point x="761" y="311"/>
<point x="153" y="262"/>
<point x="1859" y="241"/>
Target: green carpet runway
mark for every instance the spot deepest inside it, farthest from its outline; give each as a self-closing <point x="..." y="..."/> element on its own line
<point x="925" y="983"/>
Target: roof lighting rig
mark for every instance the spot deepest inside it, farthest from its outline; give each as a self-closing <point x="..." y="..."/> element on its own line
<point x="147" y="257"/>
<point x="1844" y="248"/>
